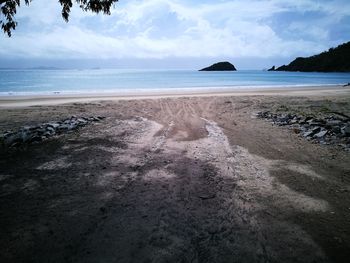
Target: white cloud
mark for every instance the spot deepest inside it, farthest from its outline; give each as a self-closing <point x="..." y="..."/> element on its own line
<point x="141" y="29"/>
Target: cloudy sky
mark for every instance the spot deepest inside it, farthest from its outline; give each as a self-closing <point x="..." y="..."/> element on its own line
<point x="176" y="33"/>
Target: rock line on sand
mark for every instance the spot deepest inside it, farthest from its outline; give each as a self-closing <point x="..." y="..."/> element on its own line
<point x="328" y="130"/>
<point x="38" y="133"/>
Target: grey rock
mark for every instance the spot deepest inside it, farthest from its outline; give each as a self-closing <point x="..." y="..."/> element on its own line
<point x="320" y="134"/>
<point x="82" y="121"/>
<point x="308" y="134"/>
<point x="72" y="127"/>
<point x="306" y="126"/>
<point x="26" y="128"/>
<point x="332" y="123"/>
<point x="47" y="134"/>
<point x="50" y="129"/>
<point x="34" y="134"/>
<point x="336" y="129"/>
<point x="315" y="123"/>
<point x="40" y="130"/>
<point x="63" y="127"/>
<point x="26" y="135"/>
<point x="316" y="129"/>
<point x="54" y="125"/>
<point x="346" y="130"/>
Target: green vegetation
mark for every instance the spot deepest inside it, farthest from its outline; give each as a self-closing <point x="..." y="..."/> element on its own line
<point x="334" y="60"/>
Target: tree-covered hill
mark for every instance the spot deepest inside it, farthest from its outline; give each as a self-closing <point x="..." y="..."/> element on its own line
<point x="334" y="60"/>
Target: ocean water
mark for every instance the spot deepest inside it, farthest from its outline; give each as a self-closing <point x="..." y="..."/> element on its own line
<point x="38" y="81"/>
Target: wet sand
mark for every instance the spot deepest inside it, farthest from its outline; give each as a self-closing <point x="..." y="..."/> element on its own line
<point x="175" y="179"/>
<point x="54" y="99"/>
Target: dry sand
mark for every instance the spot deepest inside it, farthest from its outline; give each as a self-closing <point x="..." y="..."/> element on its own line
<point x="175" y="179"/>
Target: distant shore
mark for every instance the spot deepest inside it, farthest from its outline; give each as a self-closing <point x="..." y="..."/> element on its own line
<point x="58" y="98"/>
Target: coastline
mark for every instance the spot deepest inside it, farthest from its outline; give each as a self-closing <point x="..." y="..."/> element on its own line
<point x="54" y="99"/>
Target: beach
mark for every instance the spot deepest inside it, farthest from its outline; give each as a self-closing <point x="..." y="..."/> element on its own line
<point x="175" y="177"/>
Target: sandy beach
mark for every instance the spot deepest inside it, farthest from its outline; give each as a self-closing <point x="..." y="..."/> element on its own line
<point x="174" y="177"/>
<point x="57" y="98"/>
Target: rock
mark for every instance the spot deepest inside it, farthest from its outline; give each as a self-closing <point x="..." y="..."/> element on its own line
<point x="72" y="126"/>
<point x="308" y="118"/>
<point x="82" y="121"/>
<point x="47" y="134"/>
<point x="346" y="130"/>
<point x="50" y="129"/>
<point x="63" y="127"/>
<point x="26" y="135"/>
<point x="320" y="134"/>
<point x="308" y="134"/>
<point x="283" y="120"/>
<point x="273" y="68"/>
<point x="34" y="134"/>
<point x="40" y="131"/>
<point x="220" y="66"/>
<point x="35" y="139"/>
<point x="13" y="138"/>
<point x="331" y="123"/>
<point x="54" y="125"/>
<point x="316" y="129"/>
<point x="336" y="129"/>
<point x="315" y="123"/>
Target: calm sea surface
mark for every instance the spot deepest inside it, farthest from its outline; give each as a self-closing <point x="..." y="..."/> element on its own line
<point x="22" y="82"/>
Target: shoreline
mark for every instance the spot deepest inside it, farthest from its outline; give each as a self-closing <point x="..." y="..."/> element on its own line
<point x="10" y="101"/>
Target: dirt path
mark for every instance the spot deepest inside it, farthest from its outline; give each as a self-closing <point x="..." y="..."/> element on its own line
<point x="173" y="180"/>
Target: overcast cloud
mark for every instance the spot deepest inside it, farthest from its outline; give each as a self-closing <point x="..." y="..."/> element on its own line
<point x="164" y="29"/>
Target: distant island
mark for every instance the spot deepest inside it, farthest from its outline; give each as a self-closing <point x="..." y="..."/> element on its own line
<point x="220" y="66"/>
<point x="45" y="68"/>
<point x="334" y="60"/>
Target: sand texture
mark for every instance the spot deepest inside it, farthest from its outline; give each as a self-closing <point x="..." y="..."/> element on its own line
<point x="191" y="179"/>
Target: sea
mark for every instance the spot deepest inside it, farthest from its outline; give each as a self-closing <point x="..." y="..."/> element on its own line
<point x="14" y="82"/>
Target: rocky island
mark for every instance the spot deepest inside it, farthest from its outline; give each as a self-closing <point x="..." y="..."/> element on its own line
<point x="220" y="66"/>
<point x="334" y="60"/>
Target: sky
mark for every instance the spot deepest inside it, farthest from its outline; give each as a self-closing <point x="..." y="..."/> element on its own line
<point x="176" y="33"/>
